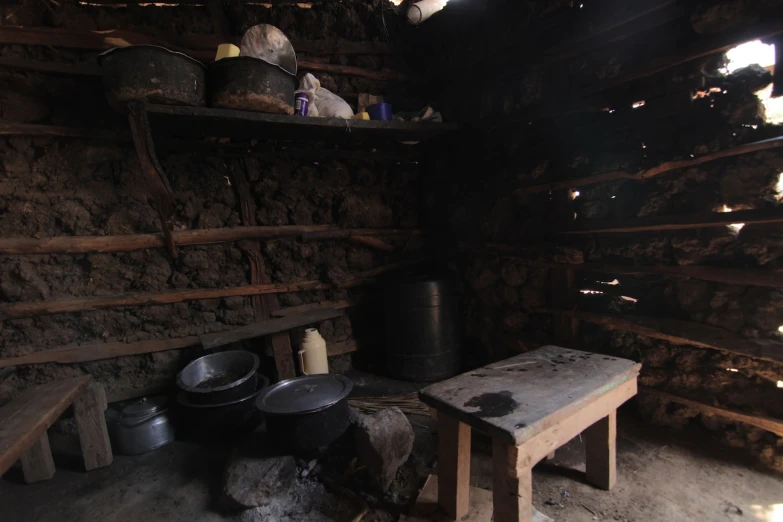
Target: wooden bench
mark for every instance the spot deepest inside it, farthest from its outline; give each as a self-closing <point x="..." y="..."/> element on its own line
<point x="24" y="421"/>
<point x="530" y="405"/>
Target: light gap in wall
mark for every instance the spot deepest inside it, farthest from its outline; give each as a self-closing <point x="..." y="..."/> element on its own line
<point x="756" y="52"/>
<point x="734" y="227"/>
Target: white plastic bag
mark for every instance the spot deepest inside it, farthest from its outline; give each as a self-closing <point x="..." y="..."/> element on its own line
<point x="325" y="103"/>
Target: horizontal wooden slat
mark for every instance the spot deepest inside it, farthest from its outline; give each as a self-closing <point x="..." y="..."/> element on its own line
<point x="657" y="170"/>
<point x="205" y="236"/>
<point x="58" y="131"/>
<point x="684" y="222"/>
<point x="106" y="39"/>
<point x="680" y="332"/>
<point x="733" y="276"/>
<point x="765" y="423"/>
<point x="20" y="310"/>
<point x="334" y="349"/>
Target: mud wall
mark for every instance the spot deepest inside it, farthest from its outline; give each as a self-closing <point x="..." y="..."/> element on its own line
<point x="52" y="187"/>
<point x="536" y="126"/>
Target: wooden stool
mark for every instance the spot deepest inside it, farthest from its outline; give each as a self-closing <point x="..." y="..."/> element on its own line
<point x="24" y="421"/>
<point x="530" y="405"/>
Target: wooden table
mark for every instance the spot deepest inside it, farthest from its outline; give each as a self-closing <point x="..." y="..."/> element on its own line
<point x="530" y="405"/>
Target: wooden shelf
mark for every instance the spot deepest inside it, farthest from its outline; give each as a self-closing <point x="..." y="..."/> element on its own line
<point x="202" y="122"/>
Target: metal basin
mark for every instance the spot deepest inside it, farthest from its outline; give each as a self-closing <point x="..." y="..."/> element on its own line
<point x="220" y="377"/>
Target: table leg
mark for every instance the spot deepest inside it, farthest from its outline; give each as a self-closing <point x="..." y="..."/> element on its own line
<point x="88" y="409"/>
<point x="601" y="452"/>
<point x="512" y="484"/>
<point x="453" y="466"/>
<point x="37" y="463"/>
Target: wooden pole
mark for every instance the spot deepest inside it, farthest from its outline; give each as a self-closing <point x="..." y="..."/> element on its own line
<point x="657" y="170"/>
<point x="20" y="310"/>
<point x="765" y="423"/>
<point x="685" y="222"/>
<point x="680" y="332"/>
<point x="205" y="236"/>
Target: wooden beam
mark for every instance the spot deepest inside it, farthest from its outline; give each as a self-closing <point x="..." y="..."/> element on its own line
<point x="325" y="305"/>
<point x="684" y="222"/>
<point x="733" y="276"/>
<point x="334" y="349"/>
<point x="70" y="69"/>
<point x="102" y="351"/>
<point x="759" y="421"/>
<point x="657" y="170"/>
<point x="204" y="236"/>
<point x="106" y="39"/>
<point x="20" y="310"/>
<point x="680" y="332"/>
<point x="55" y="131"/>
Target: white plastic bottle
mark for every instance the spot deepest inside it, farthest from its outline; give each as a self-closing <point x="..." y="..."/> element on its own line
<point x="312" y="355"/>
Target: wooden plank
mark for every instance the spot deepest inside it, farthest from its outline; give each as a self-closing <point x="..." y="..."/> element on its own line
<point x="204" y="236"/>
<point x="44" y="131"/>
<point x="88" y="410"/>
<point x="99" y="351"/>
<point x="309" y="307"/>
<point x="657" y="170"/>
<point x="334" y="349"/>
<point x="19" y="310"/>
<point x="765" y="423"/>
<point x="426" y="508"/>
<point x="28" y="416"/>
<point x="70" y="69"/>
<point x="684" y="222"/>
<point x="267" y="327"/>
<point x="453" y="466"/>
<point x="517" y="398"/>
<point x="681" y="332"/>
<point x="601" y="452"/>
<point x="204" y="121"/>
<point x="37" y="462"/>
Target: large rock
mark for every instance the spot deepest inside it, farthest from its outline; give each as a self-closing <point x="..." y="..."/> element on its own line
<point x="384" y="442"/>
<point x="256" y="481"/>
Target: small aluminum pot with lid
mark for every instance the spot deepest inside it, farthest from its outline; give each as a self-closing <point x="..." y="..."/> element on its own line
<point x="140" y="426"/>
<point x="306" y="413"/>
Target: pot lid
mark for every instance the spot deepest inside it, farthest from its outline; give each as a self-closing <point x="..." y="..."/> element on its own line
<point x="144" y="406"/>
<point x="268" y="43"/>
<point x="306" y="394"/>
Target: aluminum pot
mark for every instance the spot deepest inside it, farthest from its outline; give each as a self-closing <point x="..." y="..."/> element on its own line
<point x="306" y="413"/>
<point x="220" y="377"/>
<point x="152" y="74"/>
<point x="209" y="422"/>
<point x="140" y="426"/>
<point x="251" y="84"/>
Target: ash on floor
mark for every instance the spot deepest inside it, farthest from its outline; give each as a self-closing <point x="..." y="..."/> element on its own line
<point x="672" y="476"/>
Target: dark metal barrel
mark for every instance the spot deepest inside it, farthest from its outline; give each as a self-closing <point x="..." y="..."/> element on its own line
<point x="422" y="337"/>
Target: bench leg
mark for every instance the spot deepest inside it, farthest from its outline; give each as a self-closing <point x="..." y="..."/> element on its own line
<point x="453" y="466"/>
<point x="88" y="409"/>
<point x="512" y="497"/>
<point x="37" y="463"/>
<point x="601" y="452"/>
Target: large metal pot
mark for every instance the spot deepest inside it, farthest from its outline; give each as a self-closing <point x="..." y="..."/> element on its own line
<point x="139" y="427"/>
<point x="207" y="422"/>
<point x="251" y="84"/>
<point x="152" y="74"/>
<point x="219" y="377"/>
<point x="306" y="413"/>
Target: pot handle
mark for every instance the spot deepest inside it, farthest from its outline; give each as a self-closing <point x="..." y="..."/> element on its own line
<point x="301" y="361"/>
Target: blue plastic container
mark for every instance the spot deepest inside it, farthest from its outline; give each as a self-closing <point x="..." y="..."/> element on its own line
<point x="380" y="111"/>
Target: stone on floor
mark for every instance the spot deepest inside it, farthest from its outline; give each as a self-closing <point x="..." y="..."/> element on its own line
<point x="255" y="481"/>
<point x="384" y="442"/>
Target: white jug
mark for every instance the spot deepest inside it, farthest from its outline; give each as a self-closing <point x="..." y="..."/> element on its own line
<point x="312" y="356"/>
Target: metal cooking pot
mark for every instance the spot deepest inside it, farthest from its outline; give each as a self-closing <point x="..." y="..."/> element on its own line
<point x="251" y="84"/>
<point x="306" y="413"/>
<point x="139" y="427"/>
<point x="220" y="377"/>
<point x="152" y="74"/>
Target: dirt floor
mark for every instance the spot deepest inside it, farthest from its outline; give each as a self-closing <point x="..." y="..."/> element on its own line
<point x="663" y="476"/>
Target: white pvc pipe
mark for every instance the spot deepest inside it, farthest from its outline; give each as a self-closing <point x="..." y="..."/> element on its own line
<point x="421" y="11"/>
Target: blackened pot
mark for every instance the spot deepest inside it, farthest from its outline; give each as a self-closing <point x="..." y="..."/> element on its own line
<point x="152" y="74"/>
<point x="306" y="413"/>
<point x="251" y="84"/>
